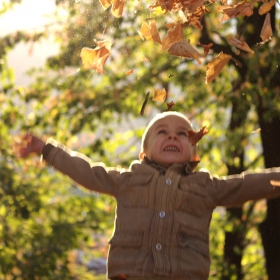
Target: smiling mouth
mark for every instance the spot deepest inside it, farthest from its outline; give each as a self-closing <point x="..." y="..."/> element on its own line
<point x="171" y="149"/>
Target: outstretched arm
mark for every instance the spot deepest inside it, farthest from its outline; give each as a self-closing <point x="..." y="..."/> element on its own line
<point x="27" y="145"/>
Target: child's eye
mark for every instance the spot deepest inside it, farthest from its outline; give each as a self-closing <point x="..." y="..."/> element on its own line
<point x="162" y="131"/>
<point x="184" y="133"/>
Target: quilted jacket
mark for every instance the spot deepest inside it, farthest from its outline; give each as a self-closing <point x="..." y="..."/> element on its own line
<point x="163" y="215"/>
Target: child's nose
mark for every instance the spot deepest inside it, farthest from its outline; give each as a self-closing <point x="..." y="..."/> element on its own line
<point x="172" y="136"/>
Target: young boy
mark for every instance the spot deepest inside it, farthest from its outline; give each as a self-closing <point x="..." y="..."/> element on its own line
<point x="164" y="206"/>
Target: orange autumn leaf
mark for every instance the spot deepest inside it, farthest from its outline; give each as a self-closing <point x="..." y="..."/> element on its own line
<point x="194" y="137"/>
<point x="239" y="44"/>
<point x="150" y="32"/>
<point x="215" y="66"/>
<point x="159" y="95"/>
<point x="129" y="72"/>
<point x="266" y="7"/>
<point x="96" y="58"/>
<point x="174" y="34"/>
<point x="266" y="32"/>
<point x="184" y="49"/>
<point x="117" y="6"/>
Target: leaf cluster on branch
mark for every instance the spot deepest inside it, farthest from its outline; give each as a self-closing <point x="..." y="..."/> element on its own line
<point x="188" y="14"/>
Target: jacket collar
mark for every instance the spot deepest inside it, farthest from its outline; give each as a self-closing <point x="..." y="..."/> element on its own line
<point x="184" y="168"/>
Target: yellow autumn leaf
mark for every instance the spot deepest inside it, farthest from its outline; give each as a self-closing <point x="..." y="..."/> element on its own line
<point x="117" y="6"/>
<point x="96" y="58"/>
<point x="150" y="32"/>
<point x="215" y="66"/>
<point x="159" y="95"/>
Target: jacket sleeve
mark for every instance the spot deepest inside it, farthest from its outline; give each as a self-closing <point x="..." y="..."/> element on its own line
<point x="234" y="190"/>
<point x="92" y="176"/>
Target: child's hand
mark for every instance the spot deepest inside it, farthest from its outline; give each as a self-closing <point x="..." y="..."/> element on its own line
<point x="27" y="145"/>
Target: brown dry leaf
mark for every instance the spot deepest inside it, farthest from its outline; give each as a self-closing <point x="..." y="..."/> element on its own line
<point x="206" y="48"/>
<point x="129" y="72"/>
<point x="194" y="137"/>
<point x="174" y="34"/>
<point x="266" y="32"/>
<point x="215" y="66"/>
<point x="193" y="5"/>
<point x="96" y="58"/>
<point x="266" y="7"/>
<point x="150" y="32"/>
<point x="239" y="44"/>
<point x="275" y="183"/>
<point x="184" y="49"/>
<point x="237" y="9"/>
<point x="170" y="105"/>
<point x="117" y="6"/>
<point x="166" y="5"/>
<point x="159" y="95"/>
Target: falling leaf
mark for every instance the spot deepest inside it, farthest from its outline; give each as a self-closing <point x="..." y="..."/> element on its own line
<point x="266" y="7"/>
<point x="170" y="105"/>
<point x="206" y="48"/>
<point x="144" y="104"/>
<point x="159" y="95"/>
<point x="193" y="5"/>
<point x="237" y="9"/>
<point x="150" y="32"/>
<point x="117" y="6"/>
<point x="275" y="183"/>
<point x="266" y="32"/>
<point x="194" y="137"/>
<point x="129" y="72"/>
<point x="184" y="49"/>
<point x="215" y="66"/>
<point x="174" y="35"/>
<point x="239" y="44"/>
<point x="96" y="58"/>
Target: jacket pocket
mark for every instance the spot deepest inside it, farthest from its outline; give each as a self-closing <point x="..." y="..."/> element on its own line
<point x="193" y="255"/>
<point x="193" y="244"/>
<point x="137" y="190"/>
<point x="129" y="239"/>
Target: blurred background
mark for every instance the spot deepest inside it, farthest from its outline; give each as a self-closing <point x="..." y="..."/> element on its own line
<point x="52" y="229"/>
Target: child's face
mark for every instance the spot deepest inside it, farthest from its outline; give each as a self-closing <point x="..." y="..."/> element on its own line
<point x="168" y="141"/>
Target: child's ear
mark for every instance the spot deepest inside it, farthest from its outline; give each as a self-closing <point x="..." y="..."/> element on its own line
<point x="141" y="155"/>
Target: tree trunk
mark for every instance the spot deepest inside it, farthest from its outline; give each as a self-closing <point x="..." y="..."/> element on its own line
<point x="270" y="228"/>
<point x="234" y="244"/>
